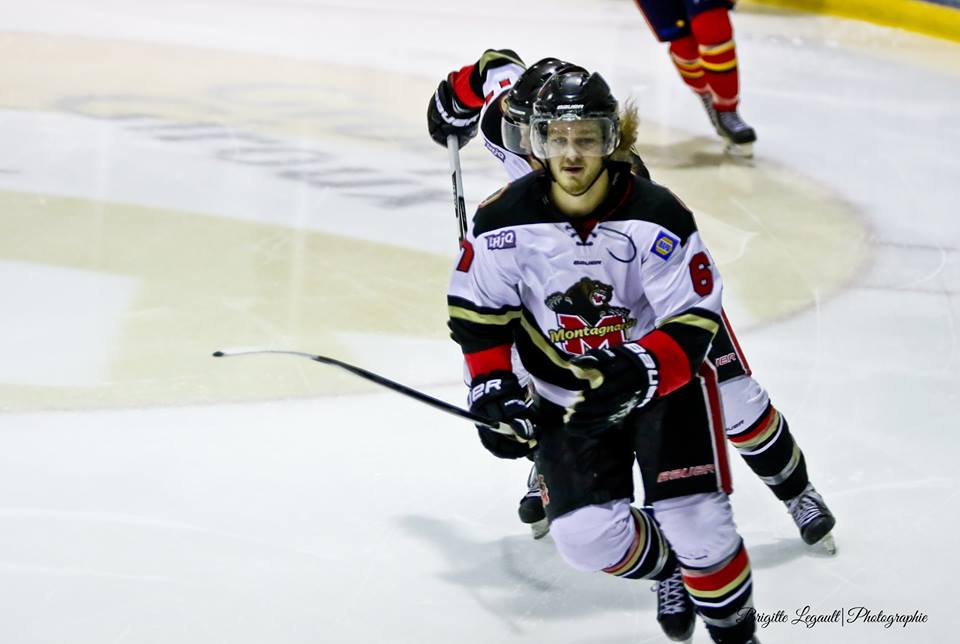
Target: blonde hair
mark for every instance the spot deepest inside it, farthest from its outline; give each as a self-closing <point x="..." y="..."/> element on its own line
<point x="629" y="122"/>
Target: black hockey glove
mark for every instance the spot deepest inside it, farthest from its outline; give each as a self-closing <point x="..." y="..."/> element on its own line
<point x="499" y="397"/>
<point x="629" y="380"/>
<point x="445" y="115"/>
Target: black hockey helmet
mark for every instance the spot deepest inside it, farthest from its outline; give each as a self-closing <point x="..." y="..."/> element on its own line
<point x="572" y="96"/>
<point x="518" y="103"/>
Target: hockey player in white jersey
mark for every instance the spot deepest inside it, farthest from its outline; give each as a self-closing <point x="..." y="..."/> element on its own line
<point x="758" y="431"/>
<point x="457" y="108"/>
<point x="601" y="280"/>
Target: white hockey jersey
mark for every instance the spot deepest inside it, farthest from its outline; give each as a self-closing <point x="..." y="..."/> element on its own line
<point x="495" y="89"/>
<point x="641" y="273"/>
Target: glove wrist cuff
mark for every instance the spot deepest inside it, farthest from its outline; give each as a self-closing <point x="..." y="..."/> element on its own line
<point x="645" y="361"/>
<point x="495" y="384"/>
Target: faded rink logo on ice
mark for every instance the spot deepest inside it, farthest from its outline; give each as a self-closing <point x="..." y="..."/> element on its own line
<point x="808" y="617"/>
<point x="294" y="139"/>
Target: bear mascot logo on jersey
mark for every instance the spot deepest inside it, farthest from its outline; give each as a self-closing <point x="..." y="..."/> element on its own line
<point x="586" y="319"/>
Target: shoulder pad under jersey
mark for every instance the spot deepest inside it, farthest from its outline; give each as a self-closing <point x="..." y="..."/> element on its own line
<point x="516" y="204"/>
<point x="654" y="203"/>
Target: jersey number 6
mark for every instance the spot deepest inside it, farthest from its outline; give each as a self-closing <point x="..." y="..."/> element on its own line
<point x="701" y="275"/>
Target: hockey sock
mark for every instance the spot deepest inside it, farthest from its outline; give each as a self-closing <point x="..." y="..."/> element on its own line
<point x="721" y="592"/>
<point x="770" y="451"/>
<point x="686" y="58"/>
<point x="718" y="56"/>
<point x="649" y="556"/>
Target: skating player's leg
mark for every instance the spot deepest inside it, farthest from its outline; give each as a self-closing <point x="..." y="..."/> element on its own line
<point x="711" y="27"/>
<point x="531" y="506"/>
<point x="625" y="541"/>
<point x="687" y="484"/>
<point x="614" y="537"/>
<point x="530" y="509"/>
<point x="703" y="50"/>
<point x="714" y="562"/>
<point x="669" y="22"/>
<point x="761" y="435"/>
<point x="685" y="54"/>
<point x="586" y="487"/>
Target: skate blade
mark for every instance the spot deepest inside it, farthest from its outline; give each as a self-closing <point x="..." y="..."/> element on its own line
<point x="739" y="150"/>
<point x="826" y="544"/>
<point x="540" y="528"/>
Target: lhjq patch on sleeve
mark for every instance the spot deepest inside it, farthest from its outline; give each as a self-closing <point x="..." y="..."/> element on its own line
<point x="663" y="245"/>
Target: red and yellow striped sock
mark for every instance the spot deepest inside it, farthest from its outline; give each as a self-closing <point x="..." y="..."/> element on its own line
<point x="718" y="56"/>
<point x="720" y="592"/>
<point x="686" y="58"/>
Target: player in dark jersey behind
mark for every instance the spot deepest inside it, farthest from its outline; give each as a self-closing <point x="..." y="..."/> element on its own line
<point x="600" y="279"/>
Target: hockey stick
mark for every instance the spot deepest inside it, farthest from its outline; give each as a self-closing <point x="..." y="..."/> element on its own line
<point x="456" y="176"/>
<point x="436" y="403"/>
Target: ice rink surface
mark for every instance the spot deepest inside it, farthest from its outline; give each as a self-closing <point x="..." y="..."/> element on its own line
<point x="181" y="177"/>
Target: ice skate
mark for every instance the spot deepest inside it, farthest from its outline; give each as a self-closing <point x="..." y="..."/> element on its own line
<point x="675" y="608"/>
<point x="531" y="512"/>
<point x="531" y="507"/>
<point x="813" y="518"/>
<point x="707" y="99"/>
<point x="739" y="136"/>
